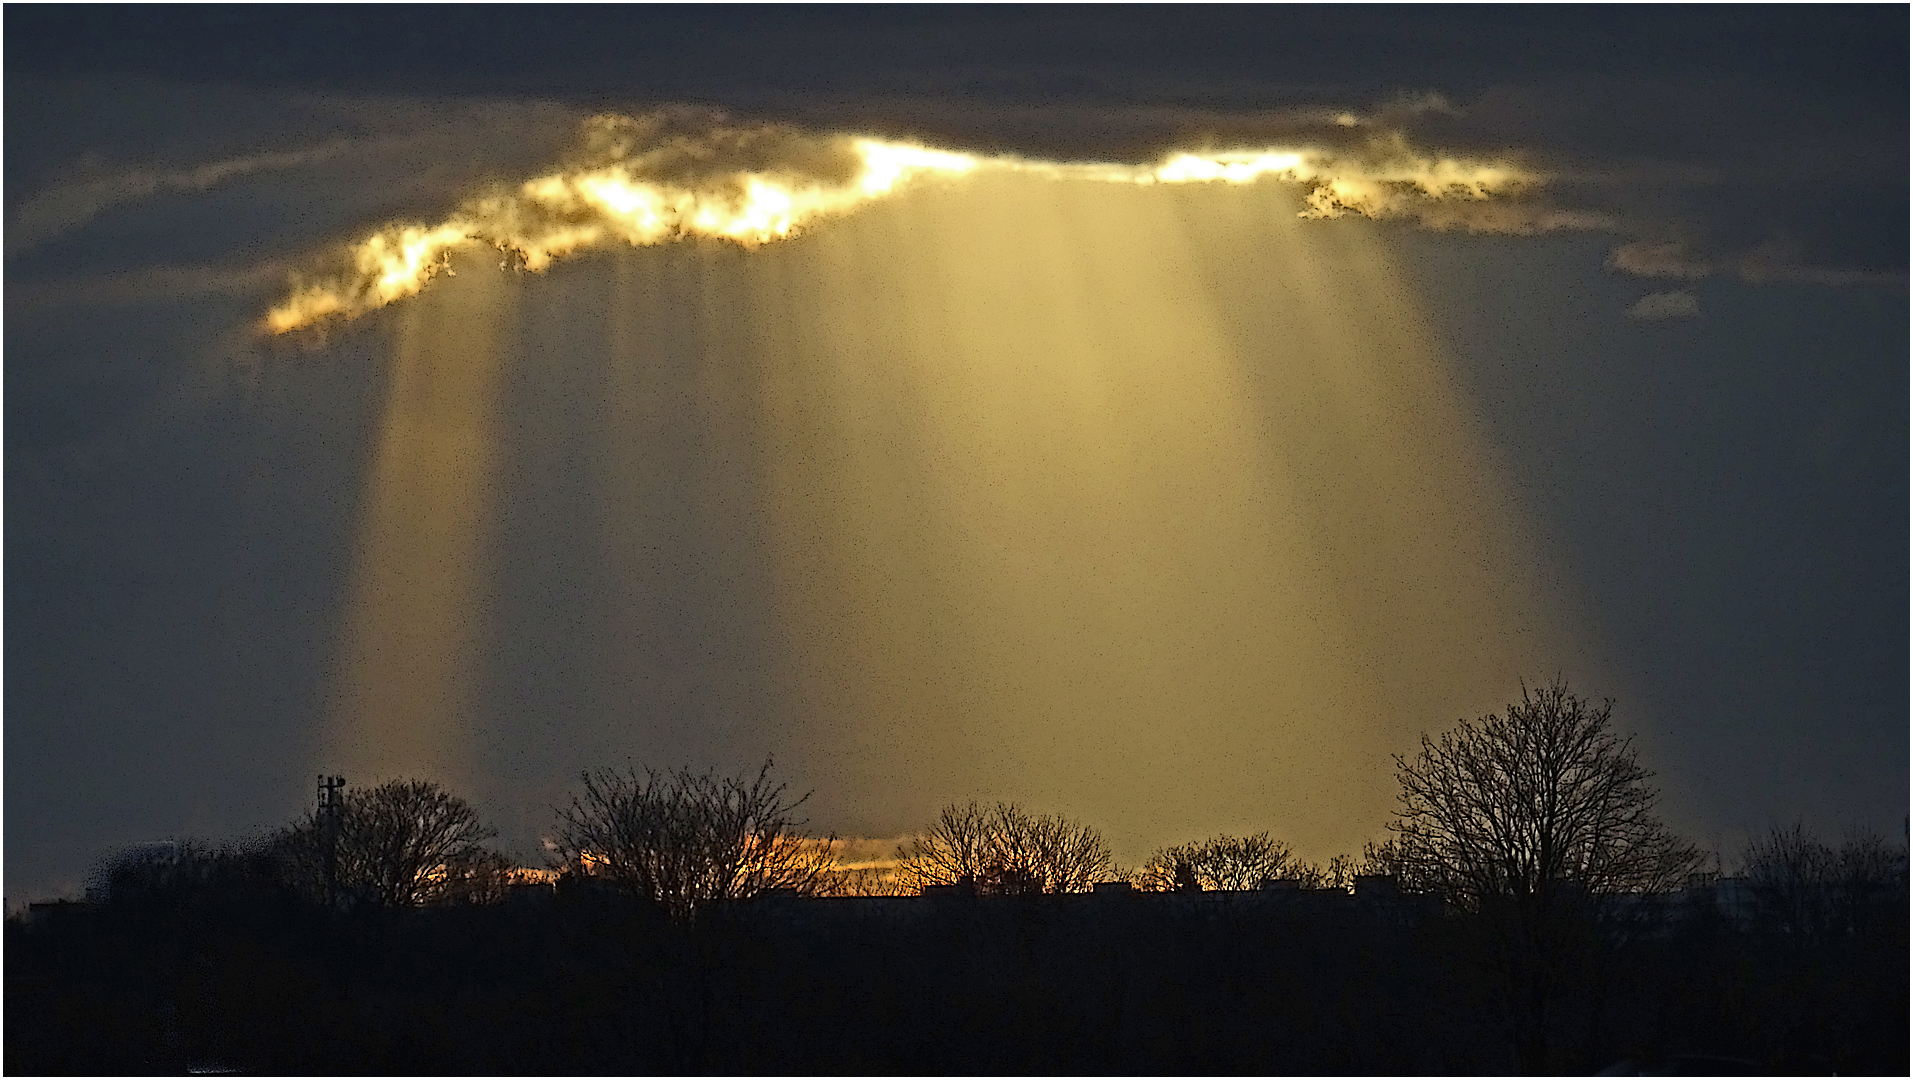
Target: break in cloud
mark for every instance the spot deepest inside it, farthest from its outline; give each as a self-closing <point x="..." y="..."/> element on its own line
<point x="673" y="175"/>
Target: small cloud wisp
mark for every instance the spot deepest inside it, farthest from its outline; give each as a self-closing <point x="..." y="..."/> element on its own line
<point x="1664" y="305"/>
<point x="1774" y="261"/>
<point x="65" y="207"/>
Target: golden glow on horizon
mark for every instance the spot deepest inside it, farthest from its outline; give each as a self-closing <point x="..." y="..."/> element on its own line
<point x="641" y="189"/>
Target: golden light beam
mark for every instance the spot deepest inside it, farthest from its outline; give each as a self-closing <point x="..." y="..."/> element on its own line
<point x="1156" y="507"/>
<point x="1161" y="512"/>
<point x="406" y="689"/>
<point x="637" y="181"/>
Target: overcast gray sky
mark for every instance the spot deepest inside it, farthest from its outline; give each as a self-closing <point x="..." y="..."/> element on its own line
<point x="1687" y="412"/>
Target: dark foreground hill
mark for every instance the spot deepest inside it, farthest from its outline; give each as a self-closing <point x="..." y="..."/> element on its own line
<point x="1075" y="984"/>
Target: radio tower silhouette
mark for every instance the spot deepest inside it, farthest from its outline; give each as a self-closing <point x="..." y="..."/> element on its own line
<point x="331" y="812"/>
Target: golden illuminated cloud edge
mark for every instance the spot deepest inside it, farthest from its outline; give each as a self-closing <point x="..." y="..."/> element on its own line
<point x="646" y="180"/>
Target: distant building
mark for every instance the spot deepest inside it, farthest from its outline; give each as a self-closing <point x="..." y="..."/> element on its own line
<point x="50" y="912"/>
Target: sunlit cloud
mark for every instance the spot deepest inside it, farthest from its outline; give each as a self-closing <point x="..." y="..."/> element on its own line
<point x="653" y="179"/>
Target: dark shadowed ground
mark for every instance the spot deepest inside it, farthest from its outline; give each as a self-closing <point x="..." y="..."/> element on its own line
<point x="1162" y="984"/>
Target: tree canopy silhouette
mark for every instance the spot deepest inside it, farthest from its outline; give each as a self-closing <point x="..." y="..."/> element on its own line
<point x="687" y="841"/>
<point x="404" y="843"/>
<point x="1526" y="821"/>
<point x="1809" y="891"/>
<point x="1004" y="849"/>
<point x="1224" y="862"/>
<point x="1542" y="802"/>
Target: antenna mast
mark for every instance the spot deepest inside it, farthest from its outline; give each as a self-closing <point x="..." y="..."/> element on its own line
<point x="331" y="812"/>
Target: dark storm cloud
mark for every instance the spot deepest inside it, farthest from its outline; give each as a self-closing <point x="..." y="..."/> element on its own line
<point x="1147" y="53"/>
<point x="1729" y="468"/>
<point x="282" y="172"/>
<point x="1728" y="130"/>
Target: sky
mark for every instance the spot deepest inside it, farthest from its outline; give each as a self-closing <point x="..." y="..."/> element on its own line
<point x="1046" y="466"/>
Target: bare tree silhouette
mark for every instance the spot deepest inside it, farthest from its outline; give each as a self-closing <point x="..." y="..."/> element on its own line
<point x="1223" y="862"/>
<point x="404" y="843"/>
<point x="1541" y="804"/>
<point x="1525" y="821"/>
<point x="1004" y="849"/>
<point x="1809" y="891"/>
<point x="687" y="841"/>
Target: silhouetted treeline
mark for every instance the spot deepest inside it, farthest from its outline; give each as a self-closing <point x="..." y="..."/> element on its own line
<point x="1530" y="914"/>
<point x="227" y="968"/>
